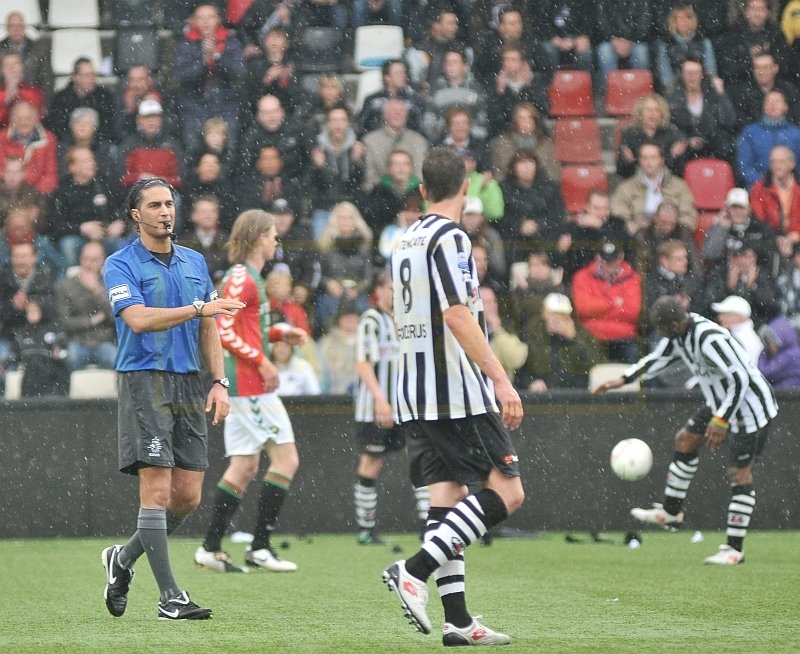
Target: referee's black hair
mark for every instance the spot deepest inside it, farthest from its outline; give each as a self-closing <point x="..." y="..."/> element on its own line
<point x="139" y="186"/>
<point x="667" y="311"/>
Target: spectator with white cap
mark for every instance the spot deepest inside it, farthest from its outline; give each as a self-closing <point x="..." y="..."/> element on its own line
<point x="150" y="152"/>
<point x="736" y="222"/>
<point x="560" y="350"/>
<point x="733" y="313"/>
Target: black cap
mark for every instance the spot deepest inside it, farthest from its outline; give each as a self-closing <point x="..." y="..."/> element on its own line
<point x="609" y="251"/>
<point x="281" y="205"/>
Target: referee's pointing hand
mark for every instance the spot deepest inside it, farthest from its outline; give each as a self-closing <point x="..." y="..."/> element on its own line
<point x="222" y="306"/>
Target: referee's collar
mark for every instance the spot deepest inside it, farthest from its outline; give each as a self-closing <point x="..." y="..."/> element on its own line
<point x="145" y="255"/>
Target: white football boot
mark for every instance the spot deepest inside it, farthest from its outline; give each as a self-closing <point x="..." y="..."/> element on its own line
<point x="725" y="555"/>
<point x="219" y="561"/>
<point x="413" y="595"/>
<point x="657" y="516"/>
<point x="268" y="560"/>
<point x="475" y="634"/>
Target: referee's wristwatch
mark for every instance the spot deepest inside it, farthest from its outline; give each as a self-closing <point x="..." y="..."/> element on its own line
<point x="222" y="382"/>
<point x="198" y="307"/>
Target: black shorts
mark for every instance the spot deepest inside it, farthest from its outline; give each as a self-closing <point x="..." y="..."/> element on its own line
<point x="463" y="450"/>
<point x="744" y="447"/>
<point x="162" y="421"/>
<point x="376" y="441"/>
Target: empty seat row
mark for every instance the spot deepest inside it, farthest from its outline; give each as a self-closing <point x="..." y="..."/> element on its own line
<point x="571" y="92"/>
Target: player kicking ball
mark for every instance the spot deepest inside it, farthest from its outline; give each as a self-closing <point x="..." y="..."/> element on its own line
<point x="739" y="405"/>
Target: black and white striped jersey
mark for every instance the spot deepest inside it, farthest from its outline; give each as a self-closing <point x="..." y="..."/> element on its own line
<point x="376" y="343"/>
<point x="733" y="387"/>
<point x="433" y="269"/>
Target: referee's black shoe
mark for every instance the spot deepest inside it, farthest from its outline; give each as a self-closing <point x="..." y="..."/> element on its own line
<point x="181" y="607"/>
<point x="118" y="580"/>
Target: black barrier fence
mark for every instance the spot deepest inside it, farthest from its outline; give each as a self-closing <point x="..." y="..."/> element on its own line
<point x="58" y="468"/>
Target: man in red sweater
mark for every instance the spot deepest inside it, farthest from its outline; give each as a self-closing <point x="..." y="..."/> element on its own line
<point x="607" y="294"/>
<point x="150" y="152"/>
<point x="775" y="199"/>
<point x="27" y="139"/>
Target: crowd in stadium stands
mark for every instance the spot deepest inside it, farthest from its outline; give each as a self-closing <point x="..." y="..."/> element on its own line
<point x="698" y="197"/>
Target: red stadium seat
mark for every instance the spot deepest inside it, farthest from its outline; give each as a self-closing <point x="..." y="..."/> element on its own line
<point x="571" y="94"/>
<point x="577" y="181"/>
<point x="577" y="140"/>
<point x="237" y="9"/>
<point x="709" y="180"/>
<point x="624" y="88"/>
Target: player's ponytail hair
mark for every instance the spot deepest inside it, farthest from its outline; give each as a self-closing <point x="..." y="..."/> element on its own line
<point x="247" y="229"/>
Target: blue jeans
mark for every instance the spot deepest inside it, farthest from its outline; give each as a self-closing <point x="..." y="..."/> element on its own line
<point x="358" y="12"/>
<point x="607" y="59"/>
<point x="79" y="356"/>
<point x="582" y="61"/>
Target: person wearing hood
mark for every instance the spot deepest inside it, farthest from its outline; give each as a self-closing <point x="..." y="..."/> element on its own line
<point x="336" y="165"/>
<point x="733" y="313"/>
<point x="779" y="362"/>
<point x="607" y="295"/>
<point x="208" y="66"/>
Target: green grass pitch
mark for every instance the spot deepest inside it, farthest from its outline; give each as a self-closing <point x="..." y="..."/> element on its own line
<point x="549" y="595"/>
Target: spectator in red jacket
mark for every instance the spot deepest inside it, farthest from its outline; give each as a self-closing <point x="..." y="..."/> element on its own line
<point x="607" y="294"/>
<point x="15" y="88"/>
<point x="775" y="199"/>
<point x="150" y="153"/>
<point x="26" y="138"/>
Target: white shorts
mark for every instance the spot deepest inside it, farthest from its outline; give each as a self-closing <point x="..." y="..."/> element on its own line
<point x="253" y="421"/>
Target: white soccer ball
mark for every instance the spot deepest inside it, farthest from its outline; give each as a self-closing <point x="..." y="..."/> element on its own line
<point x="631" y="459"/>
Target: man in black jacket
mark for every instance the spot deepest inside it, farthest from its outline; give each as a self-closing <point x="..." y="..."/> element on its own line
<point x="84" y="207"/>
<point x="82" y="91"/>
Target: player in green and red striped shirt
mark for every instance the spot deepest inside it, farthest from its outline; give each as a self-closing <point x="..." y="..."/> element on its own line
<point x="258" y="421"/>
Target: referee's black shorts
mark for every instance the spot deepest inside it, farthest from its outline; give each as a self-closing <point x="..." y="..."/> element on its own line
<point x="162" y="421"/>
<point x="744" y="447"/>
<point x="463" y="450"/>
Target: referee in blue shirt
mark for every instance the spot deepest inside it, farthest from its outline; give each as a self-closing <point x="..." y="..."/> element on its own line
<point x="164" y="304"/>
